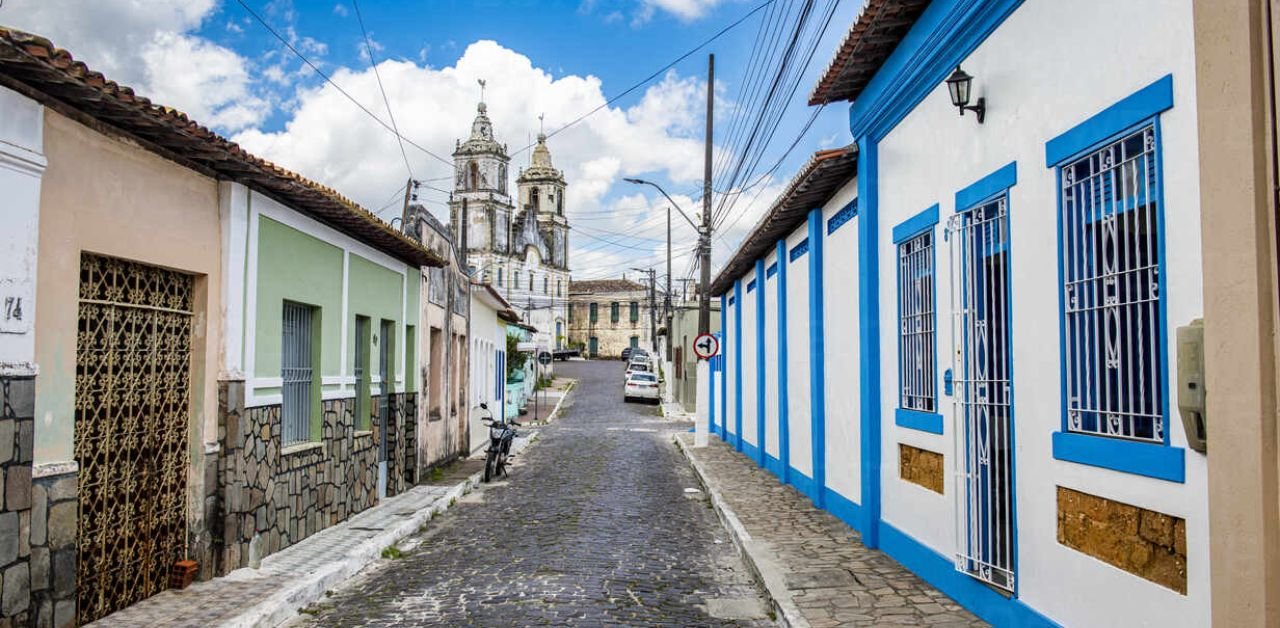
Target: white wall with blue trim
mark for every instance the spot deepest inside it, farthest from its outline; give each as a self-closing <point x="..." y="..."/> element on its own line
<point x="840" y="261"/>
<point x="770" y="283"/>
<point x="1054" y="75"/>
<point x="800" y="455"/>
<point x="1101" y="52"/>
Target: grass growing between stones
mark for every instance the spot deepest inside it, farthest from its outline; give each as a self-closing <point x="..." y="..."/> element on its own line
<point x="392" y="552"/>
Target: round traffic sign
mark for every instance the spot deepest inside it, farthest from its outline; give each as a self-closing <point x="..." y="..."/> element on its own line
<point x="706" y="346"/>
<point x="544" y="358"/>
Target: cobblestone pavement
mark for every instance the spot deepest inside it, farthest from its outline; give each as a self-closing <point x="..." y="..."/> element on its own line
<point x="594" y="527"/>
<point x="830" y="576"/>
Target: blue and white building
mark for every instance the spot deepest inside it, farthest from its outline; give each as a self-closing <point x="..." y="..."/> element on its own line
<point x="1000" y="291"/>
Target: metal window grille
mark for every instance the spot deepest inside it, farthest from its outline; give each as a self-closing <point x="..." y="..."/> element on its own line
<point x="360" y="371"/>
<point x="1110" y="231"/>
<point x="983" y="389"/>
<point x="916" y="352"/>
<point x="295" y="411"/>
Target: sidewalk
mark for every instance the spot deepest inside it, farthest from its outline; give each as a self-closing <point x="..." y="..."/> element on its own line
<point x="812" y="565"/>
<point x="301" y="573"/>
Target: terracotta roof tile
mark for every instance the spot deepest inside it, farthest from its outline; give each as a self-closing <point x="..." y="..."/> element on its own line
<point x="599" y="286"/>
<point x="51" y="74"/>
<point x="870" y="40"/>
<point x="825" y="173"/>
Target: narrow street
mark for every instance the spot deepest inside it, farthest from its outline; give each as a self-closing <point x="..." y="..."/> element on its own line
<point x="594" y="527"/>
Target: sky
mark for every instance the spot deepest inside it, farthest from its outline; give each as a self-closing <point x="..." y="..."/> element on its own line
<point x="558" y="59"/>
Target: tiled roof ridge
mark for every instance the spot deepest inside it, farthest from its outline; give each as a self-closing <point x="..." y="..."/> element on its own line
<point x="43" y="51"/>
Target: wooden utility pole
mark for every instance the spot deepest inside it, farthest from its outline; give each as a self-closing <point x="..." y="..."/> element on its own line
<point x="704" y="238"/>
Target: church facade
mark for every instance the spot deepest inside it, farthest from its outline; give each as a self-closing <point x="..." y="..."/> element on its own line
<point x="520" y="244"/>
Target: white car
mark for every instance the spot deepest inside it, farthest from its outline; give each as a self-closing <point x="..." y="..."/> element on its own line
<point x="638" y="365"/>
<point x="641" y="386"/>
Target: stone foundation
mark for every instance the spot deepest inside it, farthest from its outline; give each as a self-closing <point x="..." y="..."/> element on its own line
<point x="922" y="467"/>
<point x="1145" y="543"/>
<point x="271" y="497"/>
<point x="17" y="402"/>
<point x="54" y="526"/>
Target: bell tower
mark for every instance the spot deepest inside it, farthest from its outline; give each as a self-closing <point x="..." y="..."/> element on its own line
<point x="541" y="189"/>
<point x="480" y="194"/>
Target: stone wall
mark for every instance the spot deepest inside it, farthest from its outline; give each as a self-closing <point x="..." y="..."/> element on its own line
<point x="17" y="399"/>
<point x="54" y="523"/>
<point x="1145" y="543"/>
<point x="920" y="466"/>
<point x="271" y="497"/>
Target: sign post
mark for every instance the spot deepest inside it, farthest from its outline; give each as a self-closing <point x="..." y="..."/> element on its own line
<point x="705" y="346"/>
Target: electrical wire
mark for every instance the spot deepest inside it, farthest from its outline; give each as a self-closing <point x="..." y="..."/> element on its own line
<point x="368" y="46"/>
<point x="330" y="81"/>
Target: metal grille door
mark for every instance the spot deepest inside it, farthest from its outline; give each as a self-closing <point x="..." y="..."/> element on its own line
<point x="295" y="411"/>
<point x="361" y="372"/>
<point x="132" y="414"/>
<point x="983" y="392"/>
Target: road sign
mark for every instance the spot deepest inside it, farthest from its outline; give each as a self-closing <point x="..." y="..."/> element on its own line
<point x="706" y="346"/>
<point x="544" y="358"/>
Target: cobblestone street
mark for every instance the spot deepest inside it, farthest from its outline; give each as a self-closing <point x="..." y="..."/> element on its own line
<point x="594" y="527"/>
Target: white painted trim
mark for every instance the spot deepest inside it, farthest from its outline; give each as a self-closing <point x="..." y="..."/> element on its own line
<point x="346" y="311"/>
<point x="233" y="207"/>
<point x="251" y="294"/>
<point x="22" y="161"/>
<point x="47" y="469"/>
<point x="267" y="382"/>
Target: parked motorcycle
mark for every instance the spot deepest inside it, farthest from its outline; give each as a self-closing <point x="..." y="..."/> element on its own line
<point x="501" y="433"/>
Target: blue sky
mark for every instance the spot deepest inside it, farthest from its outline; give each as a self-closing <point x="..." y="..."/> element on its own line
<point x="558" y="58"/>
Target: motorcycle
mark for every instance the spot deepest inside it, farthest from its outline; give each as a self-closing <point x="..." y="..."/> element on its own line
<point x="501" y="433"/>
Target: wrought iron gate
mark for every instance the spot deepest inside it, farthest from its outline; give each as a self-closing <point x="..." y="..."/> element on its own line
<point x="979" y="241"/>
<point x="296" y="374"/>
<point x="133" y="408"/>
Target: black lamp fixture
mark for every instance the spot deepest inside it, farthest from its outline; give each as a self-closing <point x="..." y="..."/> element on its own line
<point x="959" y="84"/>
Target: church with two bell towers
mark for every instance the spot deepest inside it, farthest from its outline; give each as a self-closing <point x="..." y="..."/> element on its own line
<point x="521" y="248"/>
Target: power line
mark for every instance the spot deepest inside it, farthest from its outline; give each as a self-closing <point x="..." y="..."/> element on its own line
<point x="657" y="73"/>
<point x="329" y="80"/>
<point x="368" y="46"/>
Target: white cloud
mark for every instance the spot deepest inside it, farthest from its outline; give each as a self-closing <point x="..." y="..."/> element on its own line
<point x="340" y="10"/>
<point x="146" y="45"/>
<point x="331" y="140"/>
<point x="685" y="10"/>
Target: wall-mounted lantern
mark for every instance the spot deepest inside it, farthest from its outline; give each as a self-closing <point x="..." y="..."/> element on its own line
<point x="959" y="84"/>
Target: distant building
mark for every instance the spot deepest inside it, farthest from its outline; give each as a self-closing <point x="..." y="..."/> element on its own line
<point x="609" y="315"/>
<point x="522" y="250"/>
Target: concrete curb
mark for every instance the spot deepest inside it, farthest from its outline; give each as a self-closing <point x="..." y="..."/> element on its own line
<point x="755" y="554"/>
<point x="302" y="591"/>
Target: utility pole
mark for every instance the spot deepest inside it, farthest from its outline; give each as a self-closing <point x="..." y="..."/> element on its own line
<point x="684" y="289"/>
<point x="668" y="299"/>
<point x="704" y="238"/>
<point x="653" y="306"/>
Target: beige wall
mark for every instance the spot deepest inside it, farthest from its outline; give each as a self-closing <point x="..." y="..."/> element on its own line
<point x="109" y="196"/>
<point x="1234" y="77"/>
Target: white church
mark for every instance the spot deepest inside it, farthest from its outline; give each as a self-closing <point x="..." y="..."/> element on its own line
<point x="522" y="248"/>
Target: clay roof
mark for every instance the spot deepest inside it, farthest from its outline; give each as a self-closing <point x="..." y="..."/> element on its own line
<point x="825" y="173"/>
<point x="599" y="286"/>
<point x="35" y="67"/>
<point x="872" y="38"/>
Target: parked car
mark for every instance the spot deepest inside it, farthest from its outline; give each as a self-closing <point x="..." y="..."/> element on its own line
<point x="641" y="385"/>
<point x="638" y="366"/>
<point x="630" y="353"/>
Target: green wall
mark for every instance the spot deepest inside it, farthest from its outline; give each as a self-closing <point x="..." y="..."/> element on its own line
<point x="294" y="266"/>
<point x="375" y="292"/>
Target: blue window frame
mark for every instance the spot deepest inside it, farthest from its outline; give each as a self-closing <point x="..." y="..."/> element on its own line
<point x="917" y="323"/>
<point x="1112" y="301"/>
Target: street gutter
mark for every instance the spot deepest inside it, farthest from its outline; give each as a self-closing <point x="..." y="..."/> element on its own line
<point x="756" y="554"/>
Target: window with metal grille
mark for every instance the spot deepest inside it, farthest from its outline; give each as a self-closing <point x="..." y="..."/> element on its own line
<point x="916" y="353"/>
<point x="295" y="371"/>
<point x="1110" y="233"/>
<point x="635" y="312"/>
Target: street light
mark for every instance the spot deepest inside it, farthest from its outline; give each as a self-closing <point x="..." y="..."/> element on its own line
<point x="704" y="249"/>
